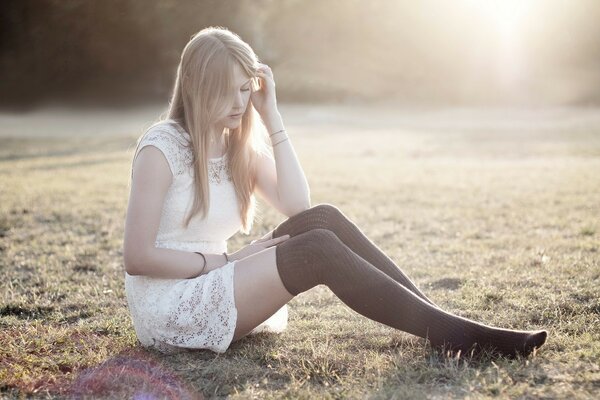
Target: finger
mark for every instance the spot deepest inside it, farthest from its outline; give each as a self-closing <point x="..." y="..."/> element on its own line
<point x="276" y="240"/>
<point x="266" y="71"/>
<point x="281" y="238"/>
<point x="265" y="77"/>
<point x="261" y="75"/>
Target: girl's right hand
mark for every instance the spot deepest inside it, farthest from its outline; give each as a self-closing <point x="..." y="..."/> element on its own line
<point x="257" y="245"/>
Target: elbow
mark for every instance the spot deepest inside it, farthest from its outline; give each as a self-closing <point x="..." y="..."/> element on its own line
<point x="133" y="261"/>
<point x="305" y="205"/>
<point x="298" y="208"/>
<point x="131" y="267"/>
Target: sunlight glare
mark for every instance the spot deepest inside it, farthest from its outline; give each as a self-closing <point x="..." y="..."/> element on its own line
<point x="508" y="19"/>
<point x="506" y="15"/>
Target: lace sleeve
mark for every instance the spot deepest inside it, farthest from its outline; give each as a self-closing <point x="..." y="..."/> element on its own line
<point x="167" y="144"/>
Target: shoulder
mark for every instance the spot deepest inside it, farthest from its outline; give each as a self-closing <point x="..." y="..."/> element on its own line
<point x="172" y="140"/>
<point x="167" y="131"/>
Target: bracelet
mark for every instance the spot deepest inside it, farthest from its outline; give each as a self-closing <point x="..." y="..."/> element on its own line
<point x="283" y="130"/>
<point x="281" y="141"/>
<point x="225" y="254"/>
<point x="274" y="140"/>
<point x="204" y="266"/>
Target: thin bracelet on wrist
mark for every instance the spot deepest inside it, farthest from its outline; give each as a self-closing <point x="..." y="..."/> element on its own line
<point x="281" y="141"/>
<point x="273" y="138"/>
<point x="272" y="134"/>
<point x="226" y="257"/>
<point x="204" y="266"/>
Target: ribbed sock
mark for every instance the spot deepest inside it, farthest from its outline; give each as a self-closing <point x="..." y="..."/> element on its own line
<point x="320" y="257"/>
<point x="327" y="216"/>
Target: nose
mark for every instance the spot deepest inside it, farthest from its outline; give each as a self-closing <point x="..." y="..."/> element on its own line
<point x="238" y="105"/>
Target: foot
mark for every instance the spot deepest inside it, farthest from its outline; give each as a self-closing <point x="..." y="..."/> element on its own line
<point x="503" y="343"/>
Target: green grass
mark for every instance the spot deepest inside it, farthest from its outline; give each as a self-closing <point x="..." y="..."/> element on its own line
<point x="497" y="226"/>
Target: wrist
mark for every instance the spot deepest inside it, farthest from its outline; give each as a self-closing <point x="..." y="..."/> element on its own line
<point x="231" y="256"/>
<point x="203" y="266"/>
<point x="273" y="121"/>
<point x="213" y="261"/>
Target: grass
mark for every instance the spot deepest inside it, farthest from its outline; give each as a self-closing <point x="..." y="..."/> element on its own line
<point x="493" y="225"/>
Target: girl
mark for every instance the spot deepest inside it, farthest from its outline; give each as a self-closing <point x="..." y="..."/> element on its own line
<point x="194" y="175"/>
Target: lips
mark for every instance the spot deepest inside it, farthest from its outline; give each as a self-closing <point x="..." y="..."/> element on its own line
<point x="236" y="115"/>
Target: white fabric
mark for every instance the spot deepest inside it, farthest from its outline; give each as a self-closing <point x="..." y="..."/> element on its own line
<point x="170" y="314"/>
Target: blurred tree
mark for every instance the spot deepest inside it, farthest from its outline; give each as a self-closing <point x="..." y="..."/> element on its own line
<point x="417" y="52"/>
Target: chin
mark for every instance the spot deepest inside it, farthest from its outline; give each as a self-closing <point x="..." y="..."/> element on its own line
<point x="233" y="125"/>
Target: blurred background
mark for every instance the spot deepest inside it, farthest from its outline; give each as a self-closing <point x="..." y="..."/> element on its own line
<point x="462" y="136"/>
<point x="114" y="53"/>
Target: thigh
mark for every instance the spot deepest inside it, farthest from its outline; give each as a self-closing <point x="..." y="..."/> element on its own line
<point x="258" y="290"/>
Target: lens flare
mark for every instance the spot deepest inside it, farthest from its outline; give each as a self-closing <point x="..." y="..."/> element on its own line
<point x="131" y="376"/>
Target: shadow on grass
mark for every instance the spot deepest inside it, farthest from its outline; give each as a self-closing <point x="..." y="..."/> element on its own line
<point x="442" y="374"/>
<point x="26" y="312"/>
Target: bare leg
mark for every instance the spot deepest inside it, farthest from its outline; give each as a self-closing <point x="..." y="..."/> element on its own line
<point x="320" y="257"/>
<point x="258" y="289"/>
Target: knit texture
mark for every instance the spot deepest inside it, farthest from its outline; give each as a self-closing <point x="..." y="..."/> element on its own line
<point x="318" y="257"/>
<point x="328" y="216"/>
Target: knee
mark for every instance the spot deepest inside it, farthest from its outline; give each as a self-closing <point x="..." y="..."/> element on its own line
<point x="330" y="214"/>
<point x="326" y="207"/>
<point x="321" y="216"/>
<point x="322" y="235"/>
<point x="303" y="259"/>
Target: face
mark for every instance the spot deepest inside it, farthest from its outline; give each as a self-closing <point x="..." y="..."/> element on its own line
<point x="243" y="88"/>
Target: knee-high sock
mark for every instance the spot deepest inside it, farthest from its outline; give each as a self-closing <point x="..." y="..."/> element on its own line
<point x="320" y="257"/>
<point x="327" y="216"/>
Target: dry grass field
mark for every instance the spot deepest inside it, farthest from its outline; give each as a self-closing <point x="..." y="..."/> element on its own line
<point x="495" y="219"/>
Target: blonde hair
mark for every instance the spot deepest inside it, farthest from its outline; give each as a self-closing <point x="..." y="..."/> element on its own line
<point x="203" y="94"/>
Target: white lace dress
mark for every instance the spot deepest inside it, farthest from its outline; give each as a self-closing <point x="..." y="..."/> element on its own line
<point x="199" y="313"/>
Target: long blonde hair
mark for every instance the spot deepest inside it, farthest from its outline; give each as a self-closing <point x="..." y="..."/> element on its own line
<point x="204" y="93"/>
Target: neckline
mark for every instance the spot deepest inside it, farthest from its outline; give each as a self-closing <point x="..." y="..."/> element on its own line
<point x="217" y="158"/>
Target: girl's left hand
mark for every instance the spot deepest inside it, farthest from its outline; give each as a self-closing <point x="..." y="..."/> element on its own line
<point x="256" y="246"/>
<point x="264" y="99"/>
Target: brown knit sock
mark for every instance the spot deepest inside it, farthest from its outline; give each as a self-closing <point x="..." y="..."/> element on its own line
<point x="327" y="216"/>
<point x="320" y="257"/>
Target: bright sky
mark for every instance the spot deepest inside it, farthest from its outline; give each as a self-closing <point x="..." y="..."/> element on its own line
<point x="506" y="16"/>
<point x="507" y="19"/>
<point x="525" y="47"/>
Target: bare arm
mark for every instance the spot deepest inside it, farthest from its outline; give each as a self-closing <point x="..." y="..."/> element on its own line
<point x="282" y="182"/>
<point x="151" y="180"/>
